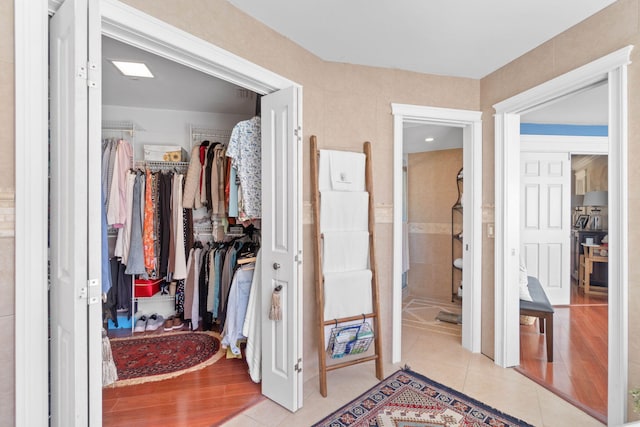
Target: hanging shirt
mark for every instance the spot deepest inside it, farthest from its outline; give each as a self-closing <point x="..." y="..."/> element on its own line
<point x="148" y="234"/>
<point x="123" y="162"/>
<point x="245" y="150"/>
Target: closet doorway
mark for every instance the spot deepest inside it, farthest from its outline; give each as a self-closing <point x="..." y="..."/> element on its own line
<point x="78" y="116"/>
<point x="471" y="128"/>
<point x="175" y="111"/>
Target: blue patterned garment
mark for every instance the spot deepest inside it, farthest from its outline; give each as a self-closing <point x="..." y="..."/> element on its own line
<point x="245" y="150"/>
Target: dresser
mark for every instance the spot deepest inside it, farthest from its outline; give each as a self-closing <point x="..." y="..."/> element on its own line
<point x="600" y="273"/>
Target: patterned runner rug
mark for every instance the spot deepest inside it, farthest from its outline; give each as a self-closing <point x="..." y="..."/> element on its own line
<point x="408" y="399"/>
<point x="158" y="357"/>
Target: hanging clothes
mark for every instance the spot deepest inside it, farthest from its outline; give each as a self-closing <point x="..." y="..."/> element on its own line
<point x="237" y="307"/>
<point x="165" y="214"/>
<point x="155" y="200"/>
<point x="123" y="241"/>
<point x="227" y="277"/>
<point x="106" y="271"/>
<point x="217" y="180"/>
<point x="202" y="188"/>
<point x="245" y="150"/>
<point x="108" y="158"/>
<point x="252" y="328"/>
<point x="207" y="174"/>
<point x="192" y="181"/>
<point x="119" y="296"/>
<point x="148" y="235"/>
<point x="123" y="162"/>
<point x="135" y="264"/>
<point x="177" y="258"/>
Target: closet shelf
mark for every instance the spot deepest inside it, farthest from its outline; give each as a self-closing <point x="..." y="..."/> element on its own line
<point x="156" y="297"/>
<point x="199" y="133"/>
<point x="456" y="234"/>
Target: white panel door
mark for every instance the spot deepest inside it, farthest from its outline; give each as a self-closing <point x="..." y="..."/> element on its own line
<point x="545" y="221"/>
<point x="74" y="348"/>
<point x="281" y="247"/>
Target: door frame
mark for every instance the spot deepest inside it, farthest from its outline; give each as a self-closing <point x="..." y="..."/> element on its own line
<point x="613" y="68"/>
<point x="31" y="30"/>
<point x="471" y="123"/>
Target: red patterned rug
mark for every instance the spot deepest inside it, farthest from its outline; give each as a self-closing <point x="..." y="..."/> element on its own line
<point x="408" y="399"/>
<point x="158" y="357"/>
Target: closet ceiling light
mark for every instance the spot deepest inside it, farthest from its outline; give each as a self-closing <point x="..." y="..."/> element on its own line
<point x="429" y="139"/>
<point x="133" y="69"/>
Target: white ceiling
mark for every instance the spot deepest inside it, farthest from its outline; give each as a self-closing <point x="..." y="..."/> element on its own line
<point x="175" y="86"/>
<point x="447" y="37"/>
<point x="445" y="137"/>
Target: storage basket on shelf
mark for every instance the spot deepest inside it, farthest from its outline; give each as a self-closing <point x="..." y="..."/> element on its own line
<point x="348" y="340"/>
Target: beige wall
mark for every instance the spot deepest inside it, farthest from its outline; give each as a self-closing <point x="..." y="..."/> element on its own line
<point x="615" y="27"/>
<point x="432" y="190"/>
<point x="7" y="205"/>
<point x="345" y="105"/>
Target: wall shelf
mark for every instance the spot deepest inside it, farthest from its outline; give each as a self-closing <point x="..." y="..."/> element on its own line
<point x="456" y="234"/>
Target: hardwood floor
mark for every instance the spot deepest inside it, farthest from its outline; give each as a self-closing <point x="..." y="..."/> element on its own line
<point x="203" y="398"/>
<point x="579" y="371"/>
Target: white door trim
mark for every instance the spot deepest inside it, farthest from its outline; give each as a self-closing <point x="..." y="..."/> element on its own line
<point x="612" y="67"/>
<point x="31" y="31"/>
<point x="472" y="163"/>
<point x="564" y="144"/>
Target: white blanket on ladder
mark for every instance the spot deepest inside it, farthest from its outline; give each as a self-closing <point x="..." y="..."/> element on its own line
<point x="347" y="294"/>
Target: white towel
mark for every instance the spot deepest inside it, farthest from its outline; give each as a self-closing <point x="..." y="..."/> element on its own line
<point x="341" y="171"/>
<point x="344" y="211"/>
<point x="345" y="251"/>
<point x="347" y="294"/>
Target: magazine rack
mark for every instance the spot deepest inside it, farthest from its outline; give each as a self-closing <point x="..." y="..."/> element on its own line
<point x="352" y="331"/>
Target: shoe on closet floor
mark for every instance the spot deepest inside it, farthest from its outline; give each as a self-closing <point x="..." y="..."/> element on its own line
<point x="177" y="323"/>
<point x="154" y="322"/>
<point x="168" y="324"/>
<point x="141" y="324"/>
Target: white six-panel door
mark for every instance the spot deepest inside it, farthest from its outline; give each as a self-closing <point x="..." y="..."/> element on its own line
<point x="281" y="247"/>
<point x="545" y="213"/>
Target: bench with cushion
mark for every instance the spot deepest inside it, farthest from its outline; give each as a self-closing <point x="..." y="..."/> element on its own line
<point x="541" y="308"/>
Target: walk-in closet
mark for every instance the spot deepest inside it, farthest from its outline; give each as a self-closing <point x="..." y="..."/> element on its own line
<point x="181" y="186"/>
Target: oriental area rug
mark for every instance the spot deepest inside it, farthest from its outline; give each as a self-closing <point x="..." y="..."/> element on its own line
<point x="408" y="399"/>
<point x="158" y="357"/>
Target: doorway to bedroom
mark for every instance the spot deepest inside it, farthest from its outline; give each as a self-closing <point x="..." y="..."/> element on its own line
<point x="571" y="258"/>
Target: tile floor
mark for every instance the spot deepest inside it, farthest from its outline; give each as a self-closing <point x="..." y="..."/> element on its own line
<point x="440" y="357"/>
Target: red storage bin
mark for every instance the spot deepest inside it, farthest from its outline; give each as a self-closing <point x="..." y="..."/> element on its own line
<point x="146" y="287"/>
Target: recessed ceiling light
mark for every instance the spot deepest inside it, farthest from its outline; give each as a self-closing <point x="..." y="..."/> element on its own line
<point x="429" y="139"/>
<point x="133" y="69"/>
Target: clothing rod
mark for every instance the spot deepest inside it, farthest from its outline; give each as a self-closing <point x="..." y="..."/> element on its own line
<point x="222" y="134"/>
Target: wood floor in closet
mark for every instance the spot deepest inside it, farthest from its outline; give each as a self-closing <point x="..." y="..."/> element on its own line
<point x="578" y="373"/>
<point x="206" y="397"/>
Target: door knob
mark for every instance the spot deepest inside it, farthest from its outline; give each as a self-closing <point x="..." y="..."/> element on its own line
<point x="276" y="266"/>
